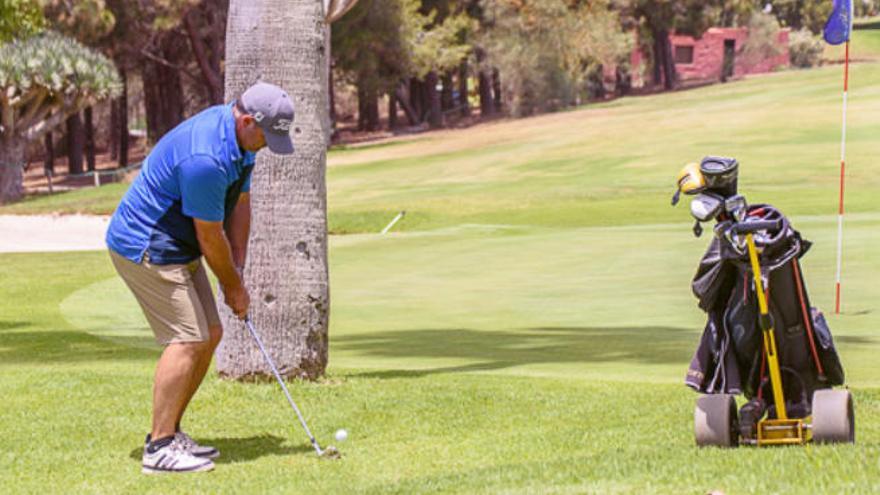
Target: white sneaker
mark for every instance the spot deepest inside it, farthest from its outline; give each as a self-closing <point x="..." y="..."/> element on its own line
<point x="174" y="458"/>
<point x="203" y="451"/>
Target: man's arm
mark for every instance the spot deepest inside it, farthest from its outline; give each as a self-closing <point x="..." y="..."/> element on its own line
<point x="238" y="230"/>
<point x="218" y="252"/>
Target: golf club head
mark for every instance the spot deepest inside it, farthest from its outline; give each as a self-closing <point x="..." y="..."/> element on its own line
<point x="331" y="452"/>
<point x="736" y="207"/>
<point x="725" y="232"/>
<point x="705" y="207"/>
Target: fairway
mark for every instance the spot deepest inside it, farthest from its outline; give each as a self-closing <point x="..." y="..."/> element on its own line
<point x="525" y="329"/>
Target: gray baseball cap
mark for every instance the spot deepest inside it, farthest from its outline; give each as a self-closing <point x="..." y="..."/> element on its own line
<point x="272" y="109"/>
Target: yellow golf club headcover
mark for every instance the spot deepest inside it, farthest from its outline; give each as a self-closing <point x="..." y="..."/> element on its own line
<point x="690" y="180"/>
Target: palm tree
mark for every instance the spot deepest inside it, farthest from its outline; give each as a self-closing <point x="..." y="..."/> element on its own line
<point x="285" y="42"/>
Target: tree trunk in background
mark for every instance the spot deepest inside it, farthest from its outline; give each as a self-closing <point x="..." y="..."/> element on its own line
<point x="463" y="89"/>
<point x="487" y="106"/>
<point x="89" y="139"/>
<point x="403" y="99"/>
<point x="368" y="106"/>
<point x="362" y="108"/>
<point x="392" y="111"/>
<point x="11" y="173"/>
<point x="669" y="75"/>
<point x="113" y="143"/>
<point x="283" y="42"/>
<point x="446" y="98"/>
<point x="49" y="162"/>
<point x="622" y="81"/>
<point x="415" y="98"/>
<point x="496" y="89"/>
<point x="435" y="110"/>
<point x="657" y="51"/>
<point x="664" y="63"/>
<point x="371" y="106"/>
<point x="163" y="92"/>
<point x="75" y="144"/>
<point x="122" y="123"/>
<point x="205" y="26"/>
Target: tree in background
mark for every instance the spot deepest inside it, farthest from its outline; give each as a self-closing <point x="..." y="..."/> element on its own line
<point x="436" y="44"/>
<point x="381" y="43"/>
<point x="802" y="14"/>
<point x="20" y="19"/>
<point x="44" y="80"/>
<point x="177" y="47"/>
<point x="370" y="53"/>
<point x="733" y="13"/>
<point x="87" y="21"/>
<point x="545" y="50"/>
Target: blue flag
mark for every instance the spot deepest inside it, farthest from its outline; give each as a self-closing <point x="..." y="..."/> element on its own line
<point x="839" y="24"/>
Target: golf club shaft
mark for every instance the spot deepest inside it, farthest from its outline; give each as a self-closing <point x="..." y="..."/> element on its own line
<point x="299" y="415"/>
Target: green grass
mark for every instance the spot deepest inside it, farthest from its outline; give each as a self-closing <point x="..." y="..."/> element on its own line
<point x="526" y="331"/>
<point x="470" y="360"/>
<point x="91" y="201"/>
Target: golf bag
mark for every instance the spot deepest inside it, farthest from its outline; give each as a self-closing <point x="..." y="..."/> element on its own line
<point x="730" y="357"/>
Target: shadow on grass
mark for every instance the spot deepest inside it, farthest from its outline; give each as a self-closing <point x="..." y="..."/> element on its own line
<point x="12" y="325"/>
<point x="233" y="450"/>
<point x="867" y="25"/>
<point x="855" y="340"/>
<point x="48" y="346"/>
<point x="496" y="350"/>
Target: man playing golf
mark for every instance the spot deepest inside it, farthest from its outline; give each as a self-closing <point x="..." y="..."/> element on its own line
<point x="191" y="199"/>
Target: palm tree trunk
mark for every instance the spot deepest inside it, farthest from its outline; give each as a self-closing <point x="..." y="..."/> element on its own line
<point x="284" y="42"/>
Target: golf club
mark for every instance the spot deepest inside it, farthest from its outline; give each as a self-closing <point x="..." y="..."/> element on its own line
<point x="330" y="451"/>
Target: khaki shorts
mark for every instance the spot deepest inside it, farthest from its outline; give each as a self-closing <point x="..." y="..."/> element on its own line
<point x="176" y="299"/>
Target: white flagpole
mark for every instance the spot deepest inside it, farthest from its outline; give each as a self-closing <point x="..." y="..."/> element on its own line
<point x="842" y="173"/>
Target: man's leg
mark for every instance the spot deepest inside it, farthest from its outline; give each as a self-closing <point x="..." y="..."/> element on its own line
<point x="211" y="318"/>
<point x="201" y="369"/>
<point x="175" y="374"/>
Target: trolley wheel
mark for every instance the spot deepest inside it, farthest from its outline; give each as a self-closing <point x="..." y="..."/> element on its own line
<point x="715" y="421"/>
<point x="833" y="417"/>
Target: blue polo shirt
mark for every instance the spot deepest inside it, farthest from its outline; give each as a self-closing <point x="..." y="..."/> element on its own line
<point x="196" y="170"/>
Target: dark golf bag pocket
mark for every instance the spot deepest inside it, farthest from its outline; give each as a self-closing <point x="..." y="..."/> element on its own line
<point x="827" y="352"/>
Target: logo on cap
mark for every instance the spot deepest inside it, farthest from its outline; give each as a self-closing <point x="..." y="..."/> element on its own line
<point x="282" y="125"/>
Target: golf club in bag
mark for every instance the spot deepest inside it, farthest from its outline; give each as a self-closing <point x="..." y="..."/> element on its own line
<point x="330" y="451"/>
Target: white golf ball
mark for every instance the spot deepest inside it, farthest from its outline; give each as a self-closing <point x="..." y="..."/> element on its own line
<point x="341" y="435"/>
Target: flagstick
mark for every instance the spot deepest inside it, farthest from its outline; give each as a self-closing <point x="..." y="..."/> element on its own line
<point x="842" y="175"/>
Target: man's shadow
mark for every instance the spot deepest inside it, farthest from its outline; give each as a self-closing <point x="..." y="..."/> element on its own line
<point x="234" y="450"/>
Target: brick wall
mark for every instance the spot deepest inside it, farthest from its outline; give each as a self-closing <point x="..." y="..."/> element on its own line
<point x="708" y="55"/>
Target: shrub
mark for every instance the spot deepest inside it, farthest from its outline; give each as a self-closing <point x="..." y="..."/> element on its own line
<point x="804" y="49"/>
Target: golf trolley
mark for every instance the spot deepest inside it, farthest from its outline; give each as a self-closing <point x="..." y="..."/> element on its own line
<point x="762" y="339"/>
